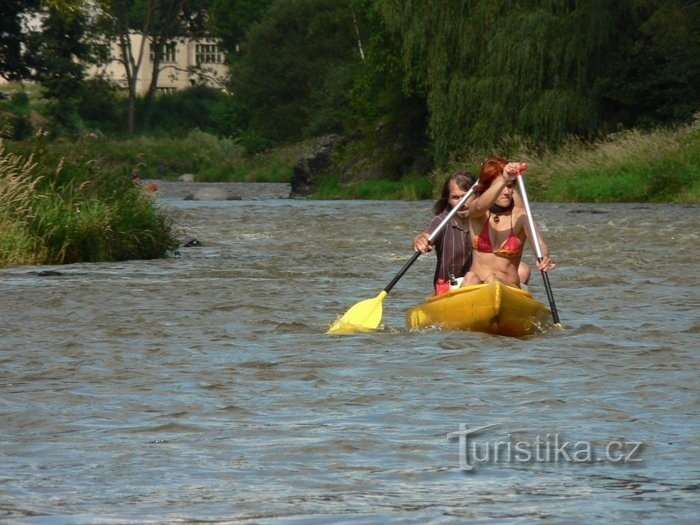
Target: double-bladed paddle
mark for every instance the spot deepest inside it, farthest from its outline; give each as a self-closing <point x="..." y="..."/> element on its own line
<point x="538" y="249"/>
<point x="366" y="315"/>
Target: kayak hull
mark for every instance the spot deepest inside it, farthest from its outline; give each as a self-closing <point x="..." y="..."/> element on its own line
<point x="493" y="308"/>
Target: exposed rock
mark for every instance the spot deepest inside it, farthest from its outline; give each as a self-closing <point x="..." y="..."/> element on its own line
<point x="190" y="242"/>
<point x="172" y="189"/>
<point x="186" y="177"/>
<point x="209" y="193"/>
<point x="310" y="168"/>
<point x="388" y="152"/>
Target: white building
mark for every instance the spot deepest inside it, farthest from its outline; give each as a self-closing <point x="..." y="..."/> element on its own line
<point x="184" y="63"/>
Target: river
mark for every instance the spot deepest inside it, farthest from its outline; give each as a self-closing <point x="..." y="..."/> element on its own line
<point x="202" y="388"/>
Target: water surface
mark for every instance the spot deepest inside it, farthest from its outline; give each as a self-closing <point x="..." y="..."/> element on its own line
<point x="203" y="387"/>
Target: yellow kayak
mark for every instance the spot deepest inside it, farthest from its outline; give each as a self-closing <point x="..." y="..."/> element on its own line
<point x="494" y="308"/>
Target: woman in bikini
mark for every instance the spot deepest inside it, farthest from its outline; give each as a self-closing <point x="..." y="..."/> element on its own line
<point x="498" y="228"/>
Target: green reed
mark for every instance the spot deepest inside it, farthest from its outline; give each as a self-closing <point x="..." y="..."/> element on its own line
<point x="408" y="188"/>
<point x="631" y="166"/>
<point x="71" y="211"/>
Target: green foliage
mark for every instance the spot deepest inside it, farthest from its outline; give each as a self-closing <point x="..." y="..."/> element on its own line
<point x="13" y="65"/>
<point x="287" y="60"/>
<point x="230" y="21"/>
<point x="19" y="103"/>
<point x="272" y="165"/>
<point x="72" y="212"/>
<point x="228" y="116"/>
<point x="500" y="67"/>
<point x="381" y="87"/>
<point x="148" y="156"/>
<point x="661" y="165"/>
<point x="101" y="107"/>
<point x="407" y="188"/>
<point x="181" y="111"/>
<point x="15" y="121"/>
<point x="632" y="166"/>
<point x="655" y="70"/>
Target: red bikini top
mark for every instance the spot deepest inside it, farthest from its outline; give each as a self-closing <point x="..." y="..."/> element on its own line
<point x="512" y="248"/>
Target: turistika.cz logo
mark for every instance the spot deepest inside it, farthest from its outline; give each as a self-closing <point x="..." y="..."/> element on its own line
<point x="547" y="448"/>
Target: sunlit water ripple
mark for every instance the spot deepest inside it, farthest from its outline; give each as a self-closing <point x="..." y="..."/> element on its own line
<point x="204" y="388"/>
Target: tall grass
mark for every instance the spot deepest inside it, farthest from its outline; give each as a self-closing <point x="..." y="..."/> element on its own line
<point x="632" y="166"/>
<point x="209" y="158"/>
<point x="662" y="165"/>
<point x="275" y="165"/>
<point x="70" y="212"/>
<point x="408" y="188"/>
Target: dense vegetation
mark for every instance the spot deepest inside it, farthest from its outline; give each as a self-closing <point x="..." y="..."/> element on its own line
<point x="65" y="210"/>
<point x="600" y="97"/>
<point x="459" y="75"/>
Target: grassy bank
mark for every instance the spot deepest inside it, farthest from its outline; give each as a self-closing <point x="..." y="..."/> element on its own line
<point x="632" y="166"/>
<point x="409" y="188"/>
<point x="64" y="212"/>
<point x="210" y="158"/>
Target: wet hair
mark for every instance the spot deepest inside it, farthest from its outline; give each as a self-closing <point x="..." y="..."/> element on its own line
<point x="490" y="169"/>
<point x="464" y="181"/>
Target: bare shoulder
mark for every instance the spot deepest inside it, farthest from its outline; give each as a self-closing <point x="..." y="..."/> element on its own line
<point x="519" y="219"/>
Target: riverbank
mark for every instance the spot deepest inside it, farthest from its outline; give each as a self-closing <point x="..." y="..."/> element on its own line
<point x="178" y="190"/>
<point x="631" y="166"/>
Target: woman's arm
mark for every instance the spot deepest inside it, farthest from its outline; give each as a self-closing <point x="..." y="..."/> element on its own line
<point x="546" y="263"/>
<point x="478" y="206"/>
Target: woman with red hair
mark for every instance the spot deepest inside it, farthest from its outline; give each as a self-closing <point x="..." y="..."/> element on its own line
<point x="498" y="228"/>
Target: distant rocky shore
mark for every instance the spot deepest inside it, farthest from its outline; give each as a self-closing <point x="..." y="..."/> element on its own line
<point x="221" y="190"/>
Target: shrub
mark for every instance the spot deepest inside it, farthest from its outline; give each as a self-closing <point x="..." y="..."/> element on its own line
<point x="73" y="212"/>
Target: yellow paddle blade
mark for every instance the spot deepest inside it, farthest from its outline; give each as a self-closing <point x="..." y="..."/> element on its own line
<point x="363" y="317"/>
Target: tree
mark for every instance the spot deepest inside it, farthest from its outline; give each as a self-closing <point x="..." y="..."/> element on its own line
<point x="654" y="74"/>
<point x="158" y="22"/>
<point x="494" y="69"/>
<point x="231" y="19"/>
<point x="57" y="54"/>
<point x="286" y="63"/>
<point x="12" y="36"/>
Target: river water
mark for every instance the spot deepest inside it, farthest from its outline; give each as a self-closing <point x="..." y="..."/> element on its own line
<point x="203" y="388"/>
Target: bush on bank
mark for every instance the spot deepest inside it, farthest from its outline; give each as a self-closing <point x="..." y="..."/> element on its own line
<point x="631" y="166"/>
<point x="210" y="158"/>
<point x="656" y="166"/>
<point x="66" y="212"/>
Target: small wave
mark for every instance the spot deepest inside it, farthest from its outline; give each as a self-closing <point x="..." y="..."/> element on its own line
<point x="235" y="409"/>
<point x="293" y="327"/>
<point x="587" y="329"/>
<point x="168" y="427"/>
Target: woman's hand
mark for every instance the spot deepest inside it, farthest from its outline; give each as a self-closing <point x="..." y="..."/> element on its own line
<point x="545" y="264"/>
<point x="511" y="171"/>
<point x="421" y="244"/>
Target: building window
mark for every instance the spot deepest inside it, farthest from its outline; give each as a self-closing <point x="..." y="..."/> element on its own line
<point x="168" y="52"/>
<point x="207" y="54"/>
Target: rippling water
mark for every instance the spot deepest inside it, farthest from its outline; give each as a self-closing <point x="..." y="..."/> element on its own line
<point x="204" y="388"/>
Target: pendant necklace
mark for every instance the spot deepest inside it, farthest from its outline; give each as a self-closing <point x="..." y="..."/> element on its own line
<point x="495" y="208"/>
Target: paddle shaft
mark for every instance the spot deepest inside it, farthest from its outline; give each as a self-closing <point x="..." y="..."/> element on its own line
<point x="431" y="238"/>
<point x="538" y="249"/>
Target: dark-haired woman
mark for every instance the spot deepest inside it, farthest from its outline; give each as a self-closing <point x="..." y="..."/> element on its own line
<point x="498" y="228"/>
<point x="452" y="245"/>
